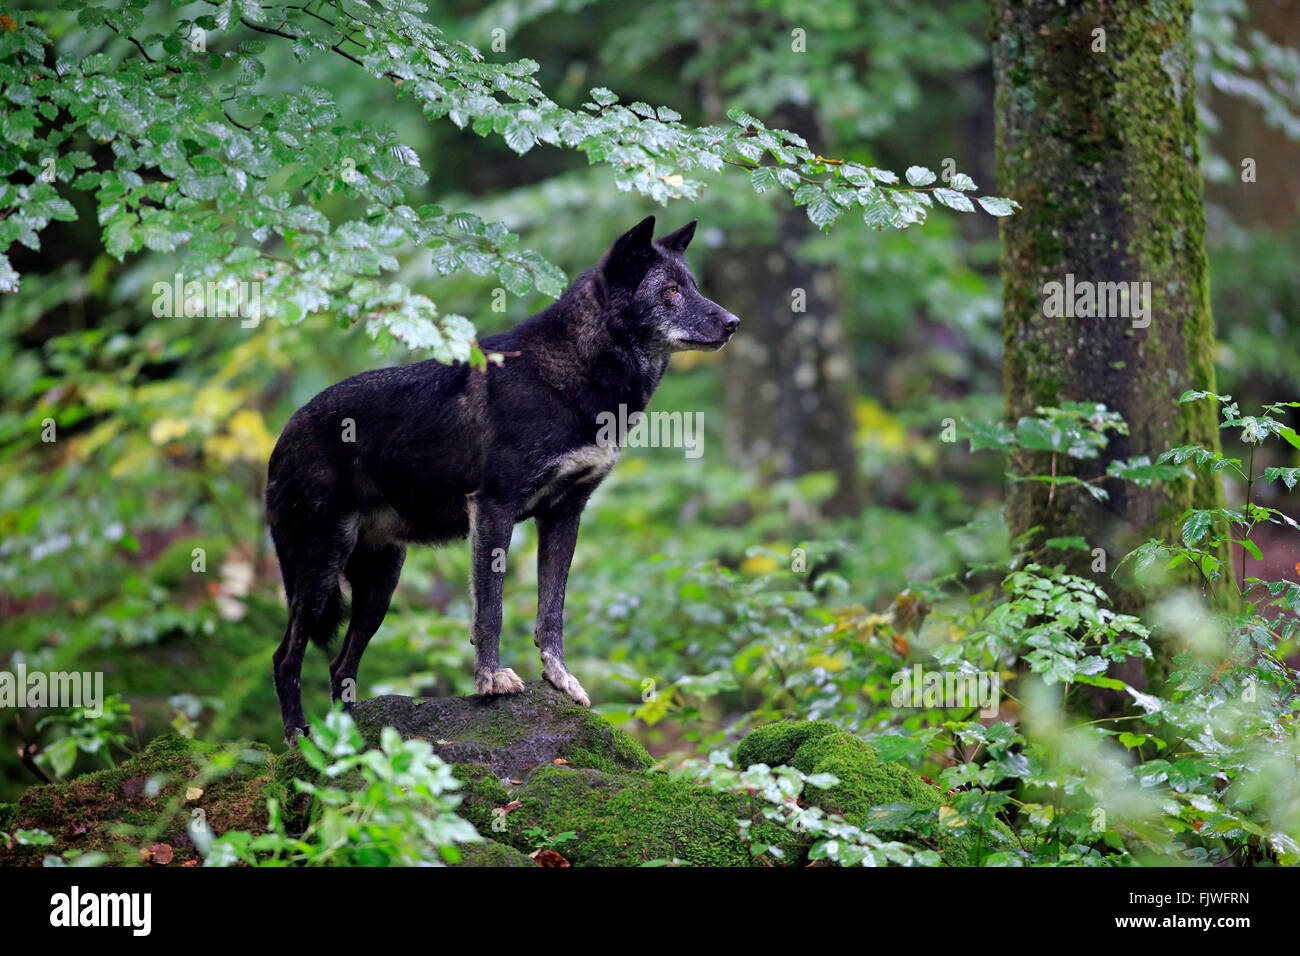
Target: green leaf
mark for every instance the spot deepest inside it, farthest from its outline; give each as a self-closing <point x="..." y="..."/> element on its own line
<point x="954" y="200"/>
<point x="998" y="207"/>
<point x="1288" y="476"/>
<point x="62" y="756"/>
<point x="1250" y="546"/>
<point x="1195" y="527"/>
<point x="823" y="210"/>
<point x="919" y="176"/>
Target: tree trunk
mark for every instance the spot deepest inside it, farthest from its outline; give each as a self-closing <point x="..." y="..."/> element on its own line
<point x="1099" y="146"/>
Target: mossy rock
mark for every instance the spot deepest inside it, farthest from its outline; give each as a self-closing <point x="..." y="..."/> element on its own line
<point x="491" y="853"/>
<point x="511" y="733"/>
<point x="633" y="818"/>
<point x="149" y="799"/>
<point x="504" y="751"/>
<point x="866" y="781"/>
<point x="296" y="807"/>
<point x="481" y="793"/>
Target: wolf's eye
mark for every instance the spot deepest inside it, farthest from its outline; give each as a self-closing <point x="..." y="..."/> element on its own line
<point x="673" y="290"/>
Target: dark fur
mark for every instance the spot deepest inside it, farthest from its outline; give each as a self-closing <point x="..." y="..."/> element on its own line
<point x="440" y="448"/>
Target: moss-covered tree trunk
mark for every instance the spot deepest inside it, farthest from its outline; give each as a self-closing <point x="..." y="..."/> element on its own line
<point x="1096" y="137"/>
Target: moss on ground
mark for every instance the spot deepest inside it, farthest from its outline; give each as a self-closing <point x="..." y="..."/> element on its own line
<point x="150" y="799"/>
<point x="491" y="853"/>
<point x="865" y="782"/>
<point x="481" y="793"/>
<point x="591" y="748"/>
<point x="631" y="818"/>
<point x="602" y="790"/>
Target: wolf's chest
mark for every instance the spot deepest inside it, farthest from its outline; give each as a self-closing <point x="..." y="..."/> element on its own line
<point x="586" y="465"/>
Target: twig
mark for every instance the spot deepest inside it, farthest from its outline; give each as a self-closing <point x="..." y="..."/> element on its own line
<point x="27" y="754"/>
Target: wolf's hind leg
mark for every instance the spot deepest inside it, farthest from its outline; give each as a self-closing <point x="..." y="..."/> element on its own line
<point x="490" y="525"/>
<point x="314" y="609"/>
<point x="373" y="573"/>
<point x="557" y="535"/>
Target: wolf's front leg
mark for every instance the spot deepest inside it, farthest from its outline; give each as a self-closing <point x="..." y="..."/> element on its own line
<point x="557" y="533"/>
<point x="490" y="525"/>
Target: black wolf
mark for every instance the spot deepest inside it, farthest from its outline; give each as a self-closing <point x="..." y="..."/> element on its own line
<point x="426" y="453"/>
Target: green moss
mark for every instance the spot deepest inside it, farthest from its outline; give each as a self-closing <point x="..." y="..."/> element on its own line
<point x="620" y="816"/>
<point x="590" y="748"/>
<point x="776" y="744"/>
<point x="491" y="853"/>
<point x="296" y="807"/>
<point x="481" y="793"/>
<point x="150" y="798"/>
<point x="626" y="819"/>
<point x="865" y="781"/>
<point x="512" y="733"/>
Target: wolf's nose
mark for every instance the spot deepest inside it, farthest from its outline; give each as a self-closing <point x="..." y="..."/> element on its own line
<point x="731" y="323"/>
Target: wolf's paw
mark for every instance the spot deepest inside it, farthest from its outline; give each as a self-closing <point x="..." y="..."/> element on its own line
<point x="504" y="681"/>
<point x="565" y="682"/>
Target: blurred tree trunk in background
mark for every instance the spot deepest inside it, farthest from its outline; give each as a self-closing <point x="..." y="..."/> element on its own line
<point x="1272" y="198"/>
<point x="788" y="378"/>
<point x="1099" y="145"/>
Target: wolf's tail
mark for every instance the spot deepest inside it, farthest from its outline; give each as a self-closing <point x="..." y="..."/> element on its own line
<point x="336" y="608"/>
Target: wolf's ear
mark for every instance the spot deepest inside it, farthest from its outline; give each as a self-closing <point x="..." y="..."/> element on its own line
<point x="676" y="242"/>
<point x="630" y="255"/>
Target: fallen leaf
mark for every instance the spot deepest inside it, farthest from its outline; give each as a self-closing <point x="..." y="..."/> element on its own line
<point x="193" y="793"/>
<point x="561" y="761"/>
<point x="548" y="857"/>
<point x="159" y="853"/>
